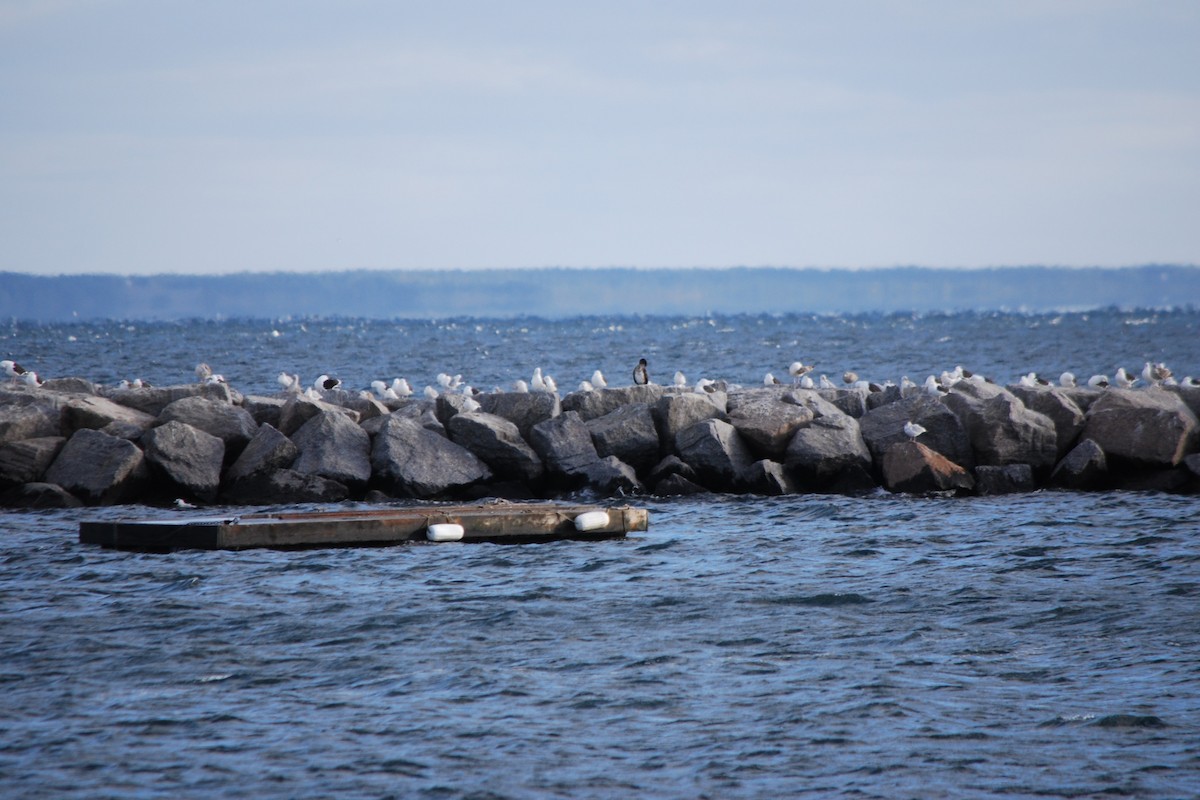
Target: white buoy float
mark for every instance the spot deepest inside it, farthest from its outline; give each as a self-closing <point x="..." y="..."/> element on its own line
<point x="444" y="532"/>
<point x="591" y="521"/>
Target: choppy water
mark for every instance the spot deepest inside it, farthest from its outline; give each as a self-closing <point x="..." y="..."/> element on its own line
<point x="1042" y="645"/>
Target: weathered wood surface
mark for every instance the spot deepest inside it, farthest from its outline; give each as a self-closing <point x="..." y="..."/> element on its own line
<point x="505" y="523"/>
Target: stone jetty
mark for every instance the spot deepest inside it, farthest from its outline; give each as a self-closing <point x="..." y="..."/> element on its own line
<point x="70" y="442"/>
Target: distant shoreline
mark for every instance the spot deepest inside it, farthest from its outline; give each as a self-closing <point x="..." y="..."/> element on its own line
<point x="566" y="292"/>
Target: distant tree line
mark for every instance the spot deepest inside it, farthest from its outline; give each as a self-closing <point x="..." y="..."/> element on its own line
<point x="569" y="292"/>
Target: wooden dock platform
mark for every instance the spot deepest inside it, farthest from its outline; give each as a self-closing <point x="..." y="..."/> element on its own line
<point x="500" y="522"/>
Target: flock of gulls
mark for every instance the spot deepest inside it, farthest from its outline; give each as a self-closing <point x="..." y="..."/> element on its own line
<point x="1153" y="374"/>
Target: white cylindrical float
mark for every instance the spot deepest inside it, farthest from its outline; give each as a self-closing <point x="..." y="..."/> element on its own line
<point x="591" y="521"/>
<point x="444" y="532"/>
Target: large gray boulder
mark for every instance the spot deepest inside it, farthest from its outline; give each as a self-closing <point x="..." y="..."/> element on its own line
<point x="299" y="409"/>
<point x="598" y="402"/>
<point x="269" y="450"/>
<point x="565" y="446"/>
<point x="1001" y="428"/>
<point x="39" y="496"/>
<point x="883" y="427"/>
<point x="676" y="411"/>
<point x="1084" y="468"/>
<point x="91" y="411"/>
<point x="1009" y="479"/>
<point x="768" y="477"/>
<point x="827" y="449"/>
<point x="498" y="443"/>
<point x="716" y="451"/>
<point x="629" y="433"/>
<point x="27" y="460"/>
<point x="187" y="457"/>
<point x="1147" y="428"/>
<point x="283" y="487"/>
<point x="232" y="424"/>
<point x="152" y="400"/>
<point x="611" y="475"/>
<point x="523" y="409"/>
<point x="1190" y="395"/>
<point x="1056" y="404"/>
<point x="916" y="469"/>
<point x="765" y="420"/>
<point x="99" y="469"/>
<point x="408" y="460"/>
<point x="28" y="415"/>
<point x="265" y="409"/>
<point x="333" y="446"/>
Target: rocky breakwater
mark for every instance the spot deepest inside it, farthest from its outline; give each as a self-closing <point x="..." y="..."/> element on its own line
<point x="70" y="442"/>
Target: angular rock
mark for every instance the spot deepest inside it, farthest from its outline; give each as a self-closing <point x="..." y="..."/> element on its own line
<point x="153" y="400"/>
<point x="1009" y="479"/>
<point x="611" y="475"/>
<point x="264" y="410"/>
<point x="299" y="409"/>
<point x="408" y="460"/>
<point x="333" y="446"/>
<point x="889" y="394"/>
<point x="98" y="468"/>
<point x="852" y="402"/>
<point x="916" y="469"/>
<point x="187" y="457"/>
<point x="269" y="450"/>
<point x="283" y="487"/>
<point x="1056" y="404"/>
<point x="25" y="415"/>
<point x="677" y="485"/>
<point x="498" y="443"/>
<point x="674" y="412"/>
<point x="565" y="445"/>
<point x="769" y="478"/>
<point x="765" y="420"/>
<point x="1001" y="429"/>
<point x="716" y="451"/>
<point x="1084" y="468"/>
<point x="89" y="411"/>
<point x="39" y="496"/>
<point x="597" y="403"/>
<point x="1190" y="395"/>
<point x="629" y="433"/>
<point x="523" y="409"/>
<point x="69" y="386"/>
<point x="366" y="406"/>
<point x="828" y="448"/>
<point x="884" y="426"/>
<point x="27" y="460"/>
<point x="233" y="425"/>
<point x="671" y="465"/>
<point x="1148" y="428"/>
<point x="448" y="404"/>
<point x="1082" y="396"/>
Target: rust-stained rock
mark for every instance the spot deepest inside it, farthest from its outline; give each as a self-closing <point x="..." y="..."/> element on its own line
<point x="914" y="468"/>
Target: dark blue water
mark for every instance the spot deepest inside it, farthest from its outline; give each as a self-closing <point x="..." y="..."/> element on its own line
<point x="496" y="352"/>
<point x="1041" y="645"/>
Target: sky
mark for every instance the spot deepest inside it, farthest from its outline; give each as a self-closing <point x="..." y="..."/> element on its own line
<point x="149" y="137"/>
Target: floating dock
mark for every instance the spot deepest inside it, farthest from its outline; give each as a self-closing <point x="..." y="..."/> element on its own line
<point x="500" y="522"/>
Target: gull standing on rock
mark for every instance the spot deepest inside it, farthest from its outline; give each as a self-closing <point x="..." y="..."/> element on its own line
<point x="912" y="430"/>
<point x="1123" y="379"/>
<point x="798" y="370"/>
<point x="598" y="381"/>
<point x="641" y="376"/>
<point x="680" y="380"/>
<point x="1067" y="380"/>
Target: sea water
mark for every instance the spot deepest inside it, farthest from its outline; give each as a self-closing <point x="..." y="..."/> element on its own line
<point x="1036" y="645"/>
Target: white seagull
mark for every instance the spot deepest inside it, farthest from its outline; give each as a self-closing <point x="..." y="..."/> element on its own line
<point x="598" y="380"/>
<point x="912" y="430"/>
<point x="680" y="379"/>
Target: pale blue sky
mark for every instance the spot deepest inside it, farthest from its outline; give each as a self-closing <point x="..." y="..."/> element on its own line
<point x="145" y="136"/>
